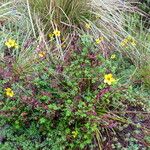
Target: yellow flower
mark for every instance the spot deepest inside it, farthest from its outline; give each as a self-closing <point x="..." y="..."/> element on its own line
<point x="74" y="134"/>
<point x="9" y="92"/>
<point x="56" y="33"/>
<point x="42" y="54"/>
<point x="133" y="43"/>
<point x="87" y="25"/>
<point x="51" y="36"/>
<point x="11" y="43"/>
<point x="124" y="42"/>
<point x="113" y="56"/>
<point x="128" y="40"/>
<point x="99" y="40"/>
<point x="16" y="46"/>
<point x="131" y="40"/>
<point x="108" y="78"/>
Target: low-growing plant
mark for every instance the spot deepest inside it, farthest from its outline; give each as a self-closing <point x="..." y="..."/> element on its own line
<point x="67" y="103"/>
<point x="64" y="82"/>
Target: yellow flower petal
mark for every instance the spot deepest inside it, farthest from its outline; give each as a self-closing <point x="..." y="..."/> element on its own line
<point x="42" y="54"/>
<point x="8" y="89"/>
<point x="56" y="33"/>
<point x="108" y="78"/>
<point x="16" y="46"/>
<point x="99" y="40"/>
<point x="51" y="36"/>
<point x="7" y="44"/>
<point x="87" y="25"/>
<point x="9" y="92"/>
<point x="11" y="43"/>
<point x="74" y="134"/>
<point x="113" y="56"/>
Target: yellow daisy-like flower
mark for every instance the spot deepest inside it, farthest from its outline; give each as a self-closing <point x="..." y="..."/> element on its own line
<point x="42" y="54"/>
<point x="88" y="26"/>
<point x="9" y="92"/>
<point x="113" y="56"/>
<point x="56" y="33"/>
<point x="131" y="40"/>
<point x="74" y="134"/>
<point x="128" y="40"/>
<point x="108" y="78"/>
<point x="124" y="42"/>
<point x="11" y="43"/>
<point x="99" y="40"/>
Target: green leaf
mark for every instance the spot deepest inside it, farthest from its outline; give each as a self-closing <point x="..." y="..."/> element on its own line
<point x="42" y="120"/>
<point x="53" y="107"/>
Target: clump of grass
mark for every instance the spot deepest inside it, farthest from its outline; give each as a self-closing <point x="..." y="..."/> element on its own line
<point x="139" y="55"/>
<point x="7" y="12"/>
<point x="62" y="13"/>
<point x="97" y="18"/>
